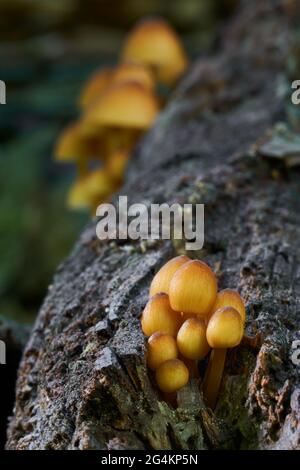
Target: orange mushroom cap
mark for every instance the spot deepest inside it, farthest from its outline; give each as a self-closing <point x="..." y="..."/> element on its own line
<point x="159" y="316"/>
<point x="78" y="197"/>
<point x="133" y="72"/>
<point x="161" y="347"/>
<point x="125" y="105"/>
<point x="172" y="375"/>
<point x="185" y="316"/>
<point x="72" y="145"/>
<point x="153" y="42"/>
<point x="105" y="78"/>
<point x="191" y="339"/>
<point x="225" y="328"/>
<point x="193" y="288"/>
<point x="100" y="183"/>
<point x="96" y="186"/>
<point x="230" y="298"/>
<point x="162" y="279"/>
<point x="95" y="86"/>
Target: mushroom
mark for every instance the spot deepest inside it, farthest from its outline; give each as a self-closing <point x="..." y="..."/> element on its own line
<point x="134" y="72"/>
<point x="193" y="288"/>
<point x="103" y="79"/>
<point x="100" y="183"/>
<point x="172" y="375"/>
<point x="123" y="112"/>
<point x="78" y="197"/>
<point x="116" y="164"/>
<point x="192" y="366"/>
<point x="162" y="279"/>
<point x="154" y="43"/>
<point x="126" y="104"/>
<point x="95" y="86"/>
<point x="73" y="146"/>
<point x="224" y="330"/>
<point x="89" y="191"/>
<point x="185" y="316"/>
<point x="191" y="339"/>
<point x="230" y="298"/>
<point x="161" y="347"/>
<point x="159" y="316"/>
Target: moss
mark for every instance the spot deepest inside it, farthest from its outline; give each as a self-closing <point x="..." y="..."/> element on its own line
<point x="233" y="412"/>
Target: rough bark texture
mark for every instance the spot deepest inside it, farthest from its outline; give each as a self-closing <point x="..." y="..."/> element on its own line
<point x="15" y="337"/>
<point x="83" y="383"/>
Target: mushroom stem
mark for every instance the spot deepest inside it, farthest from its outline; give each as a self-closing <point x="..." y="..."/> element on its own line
<point x="192" y="366"/>
<point x="213" y="376"/>
<point x="120" y="139"/>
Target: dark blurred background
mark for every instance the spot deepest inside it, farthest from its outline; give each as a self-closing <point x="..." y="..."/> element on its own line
<point x="48" y="49"/>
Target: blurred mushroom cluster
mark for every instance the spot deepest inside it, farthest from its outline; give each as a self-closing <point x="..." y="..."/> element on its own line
<point x="118" y="104"/>
<point x="187" y="319"/>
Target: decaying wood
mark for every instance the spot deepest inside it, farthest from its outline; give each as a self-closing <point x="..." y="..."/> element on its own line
<point x="83" y="382"/>
<point x="13" y="338"/>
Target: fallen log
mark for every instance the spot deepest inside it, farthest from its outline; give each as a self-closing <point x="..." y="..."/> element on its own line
<point x="83" y="382"/>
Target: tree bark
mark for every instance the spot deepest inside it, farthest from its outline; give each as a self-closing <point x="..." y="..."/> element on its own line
<point x="14" y="336"/>
<point x="83" y="382"/>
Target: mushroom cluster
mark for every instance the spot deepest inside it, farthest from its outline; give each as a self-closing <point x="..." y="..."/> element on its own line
<point x="118" y="104"/>
<point x="185" y="319"/>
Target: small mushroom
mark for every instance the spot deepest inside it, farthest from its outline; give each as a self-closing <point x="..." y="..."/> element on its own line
<point x="191" y="339"/>
<point x="105" y="78"/>
<point x="193" y="288"/>
<point x="124" y="105"/>
<point x="116" y="164"/>
<point x="162" y="278"/>
<point x="185" y="316"/>
<point x="172" y="375"/>
<point x="134" y="72"/>
<point x="161" y="347"/>
<point x="101" y="186"/>
<point x="73" y="146"/>
<point x="91" y="190"/>
<point x="230" y="298"/>
<point x="78" y="196"/>
<point x="123" y="112"/>
<point x="224" y="330"/>
<point x="154" y="43"/>
<point x="159" y="316"/>
<point x="95" y="86"/>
